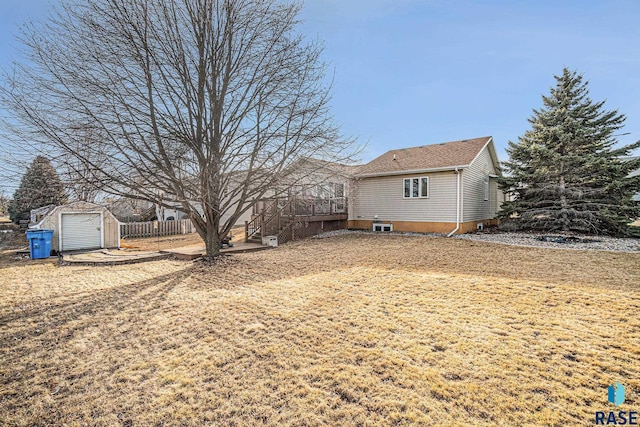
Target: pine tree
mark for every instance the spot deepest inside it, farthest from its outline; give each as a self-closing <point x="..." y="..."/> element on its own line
<point x="40" y="186"/>
<point x="565" y="174"/>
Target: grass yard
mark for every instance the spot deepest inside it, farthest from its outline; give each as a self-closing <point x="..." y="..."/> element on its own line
<point x="172" y="242"/>
<point x="352" y="330"/>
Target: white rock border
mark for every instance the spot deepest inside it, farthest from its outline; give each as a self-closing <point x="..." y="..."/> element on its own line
<point x="599" y="243"/>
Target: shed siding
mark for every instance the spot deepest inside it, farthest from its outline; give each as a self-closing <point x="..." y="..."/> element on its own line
<point x="111" y="230"/>
<point x="383" y="196"/>
<point x="475" y="208"/>
<point x="50" y="222"/>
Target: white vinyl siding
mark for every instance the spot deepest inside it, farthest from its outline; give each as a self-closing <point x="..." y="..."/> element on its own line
<point x="384" y="196"/>
<point x="226" y="215"/>
<point x="479" y="190"/>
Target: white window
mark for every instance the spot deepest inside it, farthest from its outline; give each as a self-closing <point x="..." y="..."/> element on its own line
<point x="416" y="187"/>
<point x="485" y="189"/>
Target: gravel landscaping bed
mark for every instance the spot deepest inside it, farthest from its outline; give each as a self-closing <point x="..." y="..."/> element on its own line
<point x="558" y="241"/>
<point x="539" y="240"/>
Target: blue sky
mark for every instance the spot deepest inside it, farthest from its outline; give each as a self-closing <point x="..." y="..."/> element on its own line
<point x="415" y="72"/>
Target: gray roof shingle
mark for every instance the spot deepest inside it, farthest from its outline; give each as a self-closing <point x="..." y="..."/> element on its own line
<point x="426" y="157"/>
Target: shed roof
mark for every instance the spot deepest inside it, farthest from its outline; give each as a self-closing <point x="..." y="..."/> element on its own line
<point x="79" y="206"/>
<point x="447" y="155"/>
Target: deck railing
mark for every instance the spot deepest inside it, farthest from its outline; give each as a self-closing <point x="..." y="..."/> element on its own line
<point x="270" y="220"/>
<point x="276" y="215"/>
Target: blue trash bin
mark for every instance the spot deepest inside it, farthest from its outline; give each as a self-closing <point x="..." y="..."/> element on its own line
<point x="39" y="243"/>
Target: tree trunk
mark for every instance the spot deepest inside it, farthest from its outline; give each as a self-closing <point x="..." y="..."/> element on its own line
<point x="212" y="243"/>
<point x="564" y="206"/>
<point x="210" y="235"/>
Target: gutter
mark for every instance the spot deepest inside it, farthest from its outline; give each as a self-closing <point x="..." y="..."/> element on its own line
<point x="411" y="171"/>
<point x="457" y="204"/>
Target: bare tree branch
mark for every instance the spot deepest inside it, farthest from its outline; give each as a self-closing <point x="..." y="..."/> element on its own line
<point x="210" y="102"/>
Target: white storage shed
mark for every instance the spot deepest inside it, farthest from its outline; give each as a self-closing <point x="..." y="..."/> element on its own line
<point x="80" y="226"/>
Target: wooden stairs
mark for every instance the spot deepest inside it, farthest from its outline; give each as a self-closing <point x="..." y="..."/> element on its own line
<point x="283" y="218"/>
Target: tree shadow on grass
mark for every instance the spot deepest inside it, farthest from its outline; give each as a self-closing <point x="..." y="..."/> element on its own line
<point x="83" y="311"/>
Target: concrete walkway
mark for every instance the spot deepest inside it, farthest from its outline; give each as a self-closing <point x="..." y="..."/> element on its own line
<point x="196" y="251"/>
<point x="111" y="257"/>
<point x="124" y="256"/>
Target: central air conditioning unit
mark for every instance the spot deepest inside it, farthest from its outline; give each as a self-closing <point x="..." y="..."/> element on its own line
<point x="378" y="226"/>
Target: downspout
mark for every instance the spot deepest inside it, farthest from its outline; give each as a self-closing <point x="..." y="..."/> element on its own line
<point x="457" y="204"/>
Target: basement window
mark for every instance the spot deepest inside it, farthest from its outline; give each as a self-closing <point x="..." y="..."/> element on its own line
<point x="382" y="227"/>
<point x="416" y="188"/>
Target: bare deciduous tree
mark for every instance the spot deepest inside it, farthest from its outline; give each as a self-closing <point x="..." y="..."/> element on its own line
<point x="208" y="101"/>
<point x="82" y="181"/>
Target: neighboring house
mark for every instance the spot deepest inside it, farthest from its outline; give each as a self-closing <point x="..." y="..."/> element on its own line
<point x="442" y="188"/>
<point x="326" y="183"/>
<point x="131" y="210"/>
<point x="322" y="186"/>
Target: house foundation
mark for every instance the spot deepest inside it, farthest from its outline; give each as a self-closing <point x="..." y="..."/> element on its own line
<point x="424" y="227"/>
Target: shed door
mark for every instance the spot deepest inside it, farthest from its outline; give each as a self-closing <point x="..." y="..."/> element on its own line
<point x="81" y="231"/>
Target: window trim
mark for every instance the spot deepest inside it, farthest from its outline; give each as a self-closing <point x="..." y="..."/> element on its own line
<point x="421" y="180"/>
<point x="485" y="190"/>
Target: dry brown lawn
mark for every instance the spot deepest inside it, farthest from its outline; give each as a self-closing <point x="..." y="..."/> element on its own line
<point x="352" y="330"/>
<point x="172" y="242"/>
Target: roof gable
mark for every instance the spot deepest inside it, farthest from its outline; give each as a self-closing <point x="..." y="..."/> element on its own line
<point x="448" y="155"/>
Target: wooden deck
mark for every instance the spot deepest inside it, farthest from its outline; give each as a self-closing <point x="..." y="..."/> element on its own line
<point x="295" y="218"/>
<point x="316" y="218"/>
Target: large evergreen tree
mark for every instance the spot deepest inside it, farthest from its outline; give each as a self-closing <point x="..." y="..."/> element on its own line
<point x="566" y="173"/>
<point x="40" y="186"/>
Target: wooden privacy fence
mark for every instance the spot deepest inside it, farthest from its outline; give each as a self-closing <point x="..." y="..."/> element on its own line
<point x="164" y="228"/>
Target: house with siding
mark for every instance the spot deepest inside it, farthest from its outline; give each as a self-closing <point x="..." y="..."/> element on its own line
<point x="446" y="188"/>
